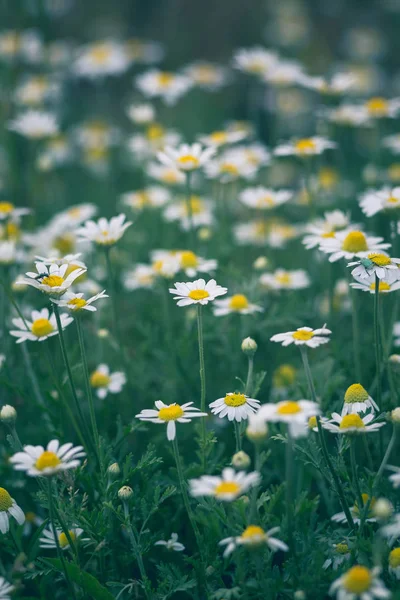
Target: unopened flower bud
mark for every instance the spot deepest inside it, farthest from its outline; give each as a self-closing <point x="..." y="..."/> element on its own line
<point x="299" y="595"/>
<point x="382" y="509"/>
<point x="125" y="493"/>
<point x="114" y="470"/>
<point x="261" y="263"/>
<point x="394" y="362"/>
<point x="241" y="460"/>
<point x="395" y="415"/>
<point x="204" y="234"/>
<point x="249" y="346"/>
<point x="8" y="414"/>
<point x="257" y="429"/>
<point x="103" y="333"/>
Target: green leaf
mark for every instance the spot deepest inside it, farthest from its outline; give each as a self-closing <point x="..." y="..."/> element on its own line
<point x="87" y="582"/>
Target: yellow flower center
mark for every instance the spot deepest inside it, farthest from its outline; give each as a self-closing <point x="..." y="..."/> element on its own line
<point x="342" y="548"/>
<point x="227" y="487"/>
<point x="63" y="540"/>
<point x="284" y="375"/>
<point x="328" y="234"/>
<point x="155" y="132"/>
<point x="305" y="146"/>
<point x="52" y="280"/>
<point x="381" y="260"/>
<point x="312" y="422"/>
<point x="261" y="229"/>
<point x="5" y="500"/>
<point x="303" y="335"/>
<point x="189" y="259"/>
<point x="394" y="558"/>
<point x="365" y="499"/>
<point x="327" y="178"/>
<point x="229" y="168"/>
<point x="235" y="399"/>
<point x="205" y="74"/>
<point x="283" y="278"/>
<point x="378" y="107"/>
<point x="356" y="393"/>
<point x="253" y="531"/>
<point x="391" y="200"/>
<point x="100" y="54"/>
<point x="355" y="241"/>
<point x="170" y="413"/>
<point x="77" y="303"/>
<point x="188" y="159"/>
<point x="47" y="460"/>
<point x="357" y="580"/>
<point x="170" y="176"/>
<point x="65" y="243"/>
<point x="6" y="207"/>
<point x="164" y="79"/>
<point x="288" y="408"/>
<point x="198" y="294"/>
<point x="99" y="380"/>
<point x="41" y="327"/>
<point x="238" y="302"/>
<point x="353" y="420"/>
<point x="383" y="286"/>
<point x="266" y="200"/>
<point x="219" y="137"/>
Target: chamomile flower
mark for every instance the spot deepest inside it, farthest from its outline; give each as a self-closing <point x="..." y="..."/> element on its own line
<point x="375" y="201"/>
<point x="40" y="462"/>
<point x="351" y="243"/>
<point x="35" y="124"/>
<point x="200" y="208"/>
<point x="355" y="511"/>
<point x="254" y="537"/>
<point x="359" y="582"/>
<point x="170" y="414"/>
<point x="357" y="400"/>
<point x="51" y="280"/>
<point x="163" y="84"/>
<point x="48" y="539"/>
<point x="285" y="73"/>
<point x="226" y="488"/>
<point x="262" y="198"/>
<point x="192" y="264"/>
<point x="382" y="108"/>
<point x="73" y="216"/>
<point x="367" y="284"/>
<point x="394" y="562"/>
<point x="76" y="302"/>
<point x="5" y="589"/>
<point x="235" y="406"/>
<point x="9" y="508"/>
<point x="222" y="137"/>
<point x="39" y="328"/>
<point x="236" y="304"/>
<point x="282" y="279"/>
<point x="376" y="263"/>
<point x="294" y="413"/>
<point x="197" y="292"/>
<point x="341" y="553"/>
<point x="336" y="85"/>
<point x="8" y="253"/>
<point x="207" y="75"/>
<point x="303" y="336"/>
<point x="348" y="115"/>
<point x="104" y="232"/>
<point x="351" y="423"/>
<point x="9" y="211"/>
<point x="164" y="174"/>
<point x="392" y="142"/>
<point x="151" y="197"/>
<point x="101" y="59"/>
<point x="171" y="544"/>
<point x="325" y="228"/>
<point x="255" y="61"/>
<point x="187" y="157"/>
<point x="304" y="147"/>
<point x="105" y="382"/>
<point x="231" y="166"/>
<point x="141" y="276"/>
<point x="395" y="477"/>
<point x="392" y="530"/>
<point x="141" y="114"/>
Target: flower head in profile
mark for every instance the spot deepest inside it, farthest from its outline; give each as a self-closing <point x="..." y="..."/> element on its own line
<point x="187" y="157"/>
<point x="228" y="487"/>
<point x="236" y="304"/>
<point x="35" y="124"/>
<point x="351" y="243"/>
<point x="357" y="400"/>
<point x="295" y="414"/>
<point x="235" y="406"/>
<point x="197" y="292"/>
<point x="359" y="582"/>
<point x="163" y="84"/>
<point x="376" y="263"/>
<point x="262" y="198"/>
<point x="170" y="414"/>
<point x="304" y="147"/>
<point x="101" y="59"/>
<point x="171" y="544"/>
<point x="352" y="424"/>
<point x="105" y="382"/>
<point x="223" y="137"/>
<point x="368" y="284"/>
<point x="303" y="336"/>
<point x="76" y="302"/>
<point x="40" y="327"/>
<point x="40" y="462"/>
<point x="386" y="199"/>
<point x="48" y="539"/>
<point x="9" y="508"/>
<point x="51" y="280"/>
<point x="254" y="537"/>
<point x="104" y="232"/>
<point x="341" y="553"/>
<point x="283" y="279"/>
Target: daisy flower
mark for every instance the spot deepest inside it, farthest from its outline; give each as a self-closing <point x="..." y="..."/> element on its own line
<point x="73" y="216"/>
<point x="141" y="276"/>
<point x="392" y="531"/>
<point x="76" y="302"/>
<point x="201" y="212"/>
<point x="303" y="336"/>
<point x="72" y="260"/>
<point x="231" y="165"/>
<point x="381" y="108"/>
<point x="392" y="142"/>
<point x="197" y="292"/>
<point x="8" y="253"/>
<point x="9" y="211"/>
<point x="151" y="197"/>
<point x="187" y="157"/>
<point x="255" y="61"/>
<point x="34" y="124"/>
<point x="325" y="228"/>
<point x="169" y="413"/>
<point x="351" y="423"/>
<point x="394" y="562"/>
<point x="238" y="303"/>
<point x="367" y="284"/>
<point x="338" y="84"/>
<point x="227" y="488"/>
<point x="41" y="327"/>
<point x="166" y="175"/>
<point x="5" y="589"/>
<point x="105" y="382"/>
<point x="359" y="582"/>
<point x="341" y="555"/>
<point x="348" y="115"/>
<point x="171" y="544"/>
<point x="395" y="477"/>
<point x="235" y="406"/>
<point x="192" y="264"/>
<point x="38" y="462"/>
<point x="222" y="137"/>
<point x="294" y="413"/>
<point x="285" y="73"/>
<point x="375" y="201"/>
<point x="207" y="75"/>
<point x="9" y="508"/>
<point x="254" y="537"/>
<point x="101" y="59"/>
<point x="51" y="280"/>
<point x="48" y="539"/>
<point x="285" y="280"/>
<point x="263" y="198"/>
<point x="104" y="232"/>
<point x="141" y="114"/>
<point x="351" y="243"/>
<point x="355" y="512"/>
<point x="376" y="263"/>
<point x="304" y="147"/>
<point x="163" y="84"/>
<point x="357" y="400"/>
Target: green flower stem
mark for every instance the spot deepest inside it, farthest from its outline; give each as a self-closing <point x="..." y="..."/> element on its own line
<point x="356" y="335"/>
<point x="53" y="525"/>
<point x="289" y="490"/>
<point x="377" y="343"/>
<point x="202" y="382"/>
<point x="188" y="198"/>
<point x="335" y="477"/>
<point x="249" y="381"/>
<point x="136" y="550"/>
<point x="257" y="467"/>
<point x="110" y="273"/>
<point x="354" y="471"/>
<point x="238" y="436"/>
